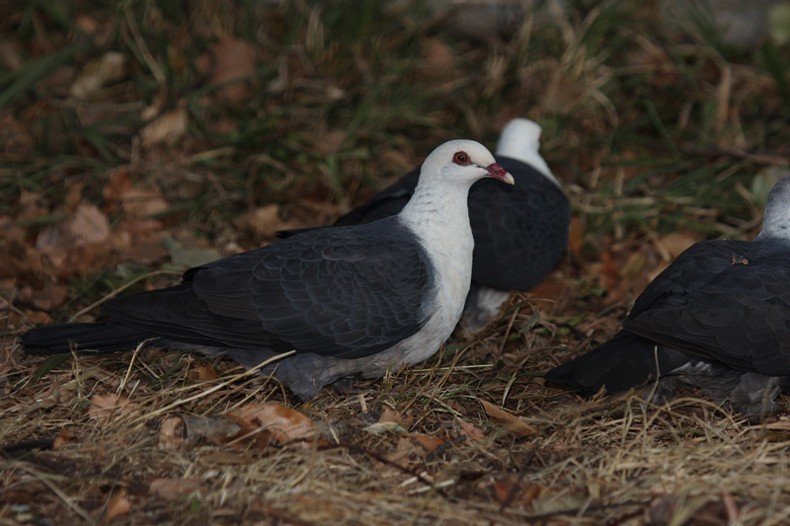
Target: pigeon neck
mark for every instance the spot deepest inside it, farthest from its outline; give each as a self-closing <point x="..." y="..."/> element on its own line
<point x="775" y="228"/>
<point x="776" y="222"/>
<point x="438" y="212"/>
<point x="439" y="216"/>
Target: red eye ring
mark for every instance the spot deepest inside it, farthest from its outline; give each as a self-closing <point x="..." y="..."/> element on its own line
<point x="461" y="158"/>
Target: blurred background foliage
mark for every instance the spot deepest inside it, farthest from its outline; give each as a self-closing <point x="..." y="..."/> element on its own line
<point x="654" y="119"/>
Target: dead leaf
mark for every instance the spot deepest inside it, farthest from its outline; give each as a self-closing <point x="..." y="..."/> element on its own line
<point x="429" y="443"/>
<point x="140" y="203"/>
<point x="172" y="433"/>
<point x="205" y="372"/>
<point x="554" y="287"/>
<point x="511" y="490"/>
<point x="280" y="423"/>
<point x="50" y="297"/>
<point x="389" y="415"/>
<point x="106" y="406"/>
<point x="76" y="244"/>
<point x="119" y="181"/>
<point x="31" y="205"/>
<point x="263" y="222"/>
<point x="576" y="238"/>
<point x="402" y="450"/>
<point x="166" y="128"/>
<point x="118" y="505"/>
<point x="97" y="74"/>
<point x="671" y="245"/>
<point x="234" y="60"/>
<point x="472" y="433"/>
<point x="86" y="225"/>
<point x="62" y="437"/>
<point x="511" y="422"/>
<point x="172" y="489"/>
<point x="438" y="60"/>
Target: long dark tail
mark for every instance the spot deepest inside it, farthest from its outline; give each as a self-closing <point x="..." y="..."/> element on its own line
<point x="57" y="339"/>
<point x="623" y="362"/>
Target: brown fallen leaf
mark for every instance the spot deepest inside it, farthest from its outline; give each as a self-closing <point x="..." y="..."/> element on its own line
<point x="50" y="297"/>
<point x="117" y="506"/>
<point x="402" y="450"/>
<point x="510" y="422"/>
<point x="274" y="421"/>
<point x="141" y="203"/>
<point x="390" y="415"/>
<point x="576" y="238"/>
<point x="87" y="225"/>
<point x="470" y="431"/>
<point x="234" y="59"/>
<point x="172" y="433"/>
<point x="104" y="407"/>
<point x="166" y="128"/>
<point x="437" y="61"/>
<point x="675" y="243"/>
<point x="510" y="490"/>
<point x="62" y="437"/>
<point x="429" y="443"/>
<point x="205" y="372"/>
<point x="97" y="74"/>
<point x="262" y="222"/>
<point x="172" y="489"/>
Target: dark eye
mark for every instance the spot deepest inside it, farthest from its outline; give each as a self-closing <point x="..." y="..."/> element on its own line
<point x="460" y="158"/>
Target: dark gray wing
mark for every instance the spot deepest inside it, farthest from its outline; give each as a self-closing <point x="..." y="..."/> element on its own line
<point x="344" y="292"/>
<point x="386" y="203"/>
<point x="725" y="301"/>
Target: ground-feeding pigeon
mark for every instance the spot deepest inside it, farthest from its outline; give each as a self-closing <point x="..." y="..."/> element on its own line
<point x="718" y="318"/>
<point x="352" y="302"/>
<point x="521" y="231"/>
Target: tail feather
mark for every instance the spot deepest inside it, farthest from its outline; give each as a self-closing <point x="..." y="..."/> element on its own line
<point x="58" y="339"/>
<point x="623" y="362"/>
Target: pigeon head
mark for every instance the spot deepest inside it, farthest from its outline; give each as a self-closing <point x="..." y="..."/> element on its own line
<point x="520" y="140"/>
<point x="776" y="223"/>
<point x="461" y="162"/>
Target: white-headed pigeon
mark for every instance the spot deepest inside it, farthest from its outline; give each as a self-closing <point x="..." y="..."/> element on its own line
<point x="352" y="302"/>
<point x="521" y="231"/>
<point x="718" y="318"/>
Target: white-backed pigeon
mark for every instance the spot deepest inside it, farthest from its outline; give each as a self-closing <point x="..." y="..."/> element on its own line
<point x="352" y="301"/>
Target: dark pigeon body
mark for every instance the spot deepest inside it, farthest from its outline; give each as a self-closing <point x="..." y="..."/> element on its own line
<point x="718" y="317"/>
<point x="328" y="293"/>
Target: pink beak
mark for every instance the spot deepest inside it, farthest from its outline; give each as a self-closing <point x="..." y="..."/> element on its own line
<point x="499" y="173"/>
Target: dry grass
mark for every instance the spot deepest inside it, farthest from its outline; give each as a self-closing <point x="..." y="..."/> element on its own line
<point x="649" y="136"/>
<point x="619" y="461"/>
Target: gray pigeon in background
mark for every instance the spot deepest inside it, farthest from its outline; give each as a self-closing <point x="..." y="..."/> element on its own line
<point x="352" y="302"/>
<point x="521" y="231"/>
<point x="718" y="318"/>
